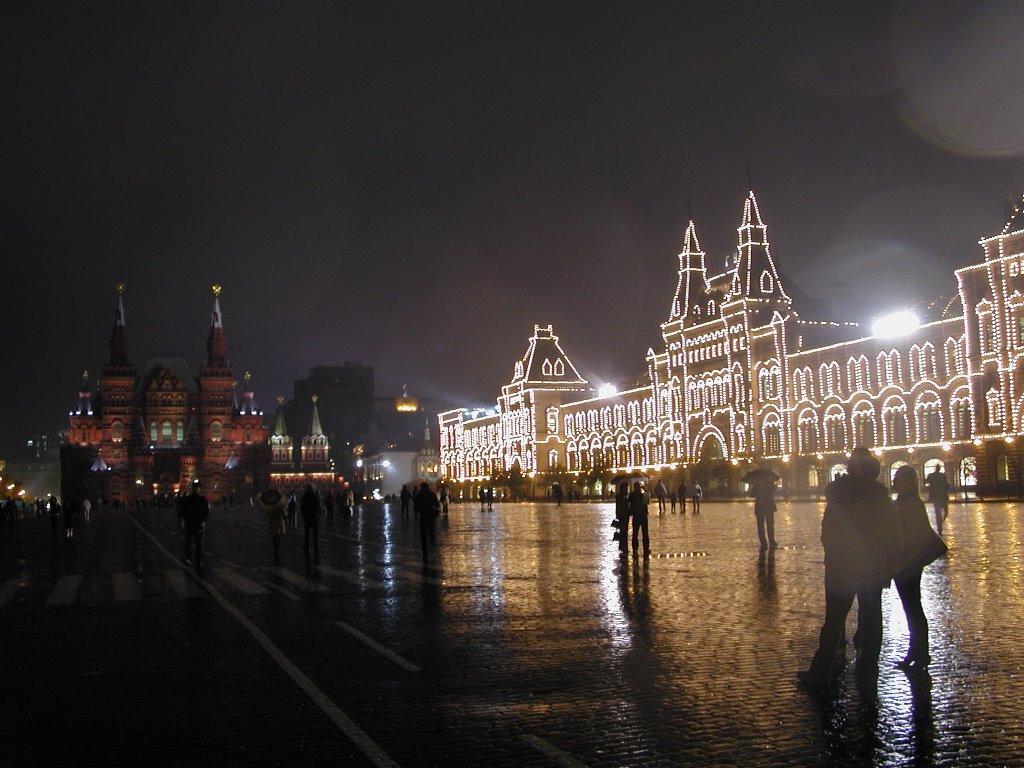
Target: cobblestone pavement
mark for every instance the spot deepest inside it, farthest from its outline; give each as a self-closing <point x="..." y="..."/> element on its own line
<point x="524" y="642"/>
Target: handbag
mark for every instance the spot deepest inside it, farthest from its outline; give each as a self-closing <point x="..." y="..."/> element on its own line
<point x="927" y="548"/>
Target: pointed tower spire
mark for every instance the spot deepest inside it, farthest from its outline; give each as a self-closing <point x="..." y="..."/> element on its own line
<point x="692" y="286"/>
<point x="119" y="335"/>
<point x="280" y="430"/>
<point x="314" y="423"/>
<point x="756" y="276"/>
<point x="216" y="345"/>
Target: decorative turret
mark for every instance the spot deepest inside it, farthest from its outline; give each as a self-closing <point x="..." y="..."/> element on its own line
<point x="280" y="443"/>
<point x="315" y="448"/>
<point x="756" y="276"/>
<point x="84" y="407"/>
<point x="247" y="407"/>
<point x="216" y="345"/>
<point x="692" y="286"/>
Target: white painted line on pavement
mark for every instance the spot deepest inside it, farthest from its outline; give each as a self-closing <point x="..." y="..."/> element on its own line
<point x="559" y="756"/>
<point x="9" y="590"/>
<point x="378" y="647"/>
<point x="294" y="578"/>
<point x="369" y="748"/>
<point x="126" y="587"/>
<point x="284" y="592"/>
<point x="240" y="582"/>
<point x="66" y="590"/>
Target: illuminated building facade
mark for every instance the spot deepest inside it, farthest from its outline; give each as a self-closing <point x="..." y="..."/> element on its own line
<point x="742" y="379"/>
<point x="148" y="436"/>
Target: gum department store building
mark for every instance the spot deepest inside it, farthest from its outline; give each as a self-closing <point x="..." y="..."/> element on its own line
<point x="743" y="381"/>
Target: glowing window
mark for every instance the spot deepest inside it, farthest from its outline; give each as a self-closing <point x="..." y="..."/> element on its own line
<point x="216" y="431"/>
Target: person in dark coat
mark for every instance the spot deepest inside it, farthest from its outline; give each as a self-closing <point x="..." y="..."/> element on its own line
<point x="273" y="505"/>
<point x="406" y="497"/>
<point x="329" y="507"/>
<point x="55" y="512"/>
<point x="921" y="545"/>
<point x="70" y="516"/>
<point x="622" y="517"/>
<point x="427" y="507"/>
<point x="638" y="504"/>
<point x="195" y="509"/>
<point x="310" y="508"/>
<point x="764" y="512"/>
<point x="860" y="533"/>
<point x="938" y="496"/>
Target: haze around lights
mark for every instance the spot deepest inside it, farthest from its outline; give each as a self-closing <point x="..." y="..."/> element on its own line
<point x="895" y="324"/>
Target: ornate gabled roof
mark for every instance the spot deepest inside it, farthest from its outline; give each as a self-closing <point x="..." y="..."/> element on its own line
<point x="167" y="373"/>
<point x="545" y="362"/>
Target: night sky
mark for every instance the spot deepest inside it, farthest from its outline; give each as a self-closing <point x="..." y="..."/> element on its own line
<point x="415" y="185"/>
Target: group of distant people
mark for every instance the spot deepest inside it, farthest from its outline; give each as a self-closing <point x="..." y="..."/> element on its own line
<point x="681" y="494"/>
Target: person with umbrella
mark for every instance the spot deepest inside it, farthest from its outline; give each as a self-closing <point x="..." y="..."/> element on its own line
<point x="762" y="488"/>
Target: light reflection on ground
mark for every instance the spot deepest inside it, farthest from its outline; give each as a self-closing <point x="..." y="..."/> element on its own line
<point x="707" y="635"/>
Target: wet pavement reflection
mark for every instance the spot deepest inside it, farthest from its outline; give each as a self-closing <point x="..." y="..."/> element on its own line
<point x="692" y="654"/>
<point x="531" y="641"/>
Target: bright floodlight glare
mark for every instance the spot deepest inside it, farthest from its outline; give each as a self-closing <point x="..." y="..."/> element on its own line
<point x="895" y="324"/>
<point x="606" y="390"/>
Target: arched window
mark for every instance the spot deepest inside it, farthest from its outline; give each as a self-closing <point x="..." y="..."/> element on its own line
<point x="559" y="368"/>
<point x="994" y="408"/>
<point x="117" y="432"/>
<point x="767" y="282"/>
<point x="546" y="368"/>
<point x="552" y="458"/>
<point x="552" y="414"/>
<point x="216" y="431"/>
<point x="179" y="431"/>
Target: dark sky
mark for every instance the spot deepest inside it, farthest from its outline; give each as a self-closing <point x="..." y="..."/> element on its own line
<point x="415" y="185"/>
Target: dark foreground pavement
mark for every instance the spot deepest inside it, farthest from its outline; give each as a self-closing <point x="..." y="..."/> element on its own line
<point x="524" y="642"/>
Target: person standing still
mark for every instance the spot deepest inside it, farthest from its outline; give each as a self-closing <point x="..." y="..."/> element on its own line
<point x="764" y="513"/>
<point x="638" y="507"/>
<point x="406" y="497"/>
<point x="921" y="545"/>
<point x="427" y="506"/>
<point x="55" y="512"/>
<point x="860" y="533"/>
<point x="938" y="497"/>
<point x="660" y="492"/>
<point x="272" y="503"/>
<point x="682" y="498"/>
<point x="310" y="508"/>
<point x="696" y="496"/>
<point x="622" y="518"/>
<point x="86" y="508"/>
<point x="195" y="508"/>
